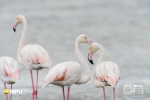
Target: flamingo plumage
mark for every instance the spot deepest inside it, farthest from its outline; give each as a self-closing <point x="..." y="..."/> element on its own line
<point x="33" y="57"/>
<point x="9" y="72"/>
<point x="68" y="73"/>
<point x="104" y="73"/>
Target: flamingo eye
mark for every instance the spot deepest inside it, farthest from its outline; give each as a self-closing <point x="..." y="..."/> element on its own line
<point x="85" y="37"/>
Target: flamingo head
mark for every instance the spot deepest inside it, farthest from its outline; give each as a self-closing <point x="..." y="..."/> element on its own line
<point x="84" y="39"/>
<point x="17" y="21"/>
<point x="92" y="49"/>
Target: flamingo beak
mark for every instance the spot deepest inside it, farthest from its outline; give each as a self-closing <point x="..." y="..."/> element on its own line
<point x="90" y="57"/>
<point x="89" y="41"/>
<point x="15" y="25"/>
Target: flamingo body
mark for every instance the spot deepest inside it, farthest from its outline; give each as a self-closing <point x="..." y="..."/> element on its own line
<point x="9" y="70"/>
<point x="34" y="57"/>
<point x="64" y="74"/>
<point x="108" y="73"/>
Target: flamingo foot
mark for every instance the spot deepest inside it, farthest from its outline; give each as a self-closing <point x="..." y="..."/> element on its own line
<point x="34" y="93"/>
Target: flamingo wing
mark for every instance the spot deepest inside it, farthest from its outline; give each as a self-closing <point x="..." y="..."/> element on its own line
<point x="9" y="70"/>
<point x="34" y="57"/>
<point x="108" y="72"/>
<point x="63" y="73"/>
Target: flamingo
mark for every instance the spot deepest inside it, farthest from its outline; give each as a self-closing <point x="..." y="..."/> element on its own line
<point x="33" y="57"/>
<point x="104" y="73"/>
<point x="70" y="72"/>
<point x="9" y="72"/>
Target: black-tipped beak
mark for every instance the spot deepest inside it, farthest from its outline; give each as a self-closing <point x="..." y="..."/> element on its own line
<point x="14" y="29"/>
<point x="91" y="61"/>
<point x="90" y="57"/>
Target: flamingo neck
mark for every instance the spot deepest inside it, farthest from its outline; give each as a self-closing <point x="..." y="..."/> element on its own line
<point x="102" y="54"/>
<point x="94" y="79"/>
<point x="86" y="77"/>
<point x="21" y="43"/>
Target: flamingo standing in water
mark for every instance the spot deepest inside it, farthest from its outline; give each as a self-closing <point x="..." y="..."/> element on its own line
<point x="70" y="72"/>
<point x="104" y="73"/>
<point x="9" y="72"/>
<point x="33" y="57"/>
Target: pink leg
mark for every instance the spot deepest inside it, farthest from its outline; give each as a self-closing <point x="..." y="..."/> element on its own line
<point x="11" y="93"/>
<point x="68" y="93"/>
<point x="114" y="93"/>
<point x="6" y="94"/>
<point x="104" y="93"/>
<point x="32" y="85"/>
<point x="63" y="93"/>
<point x="36" y="91"/>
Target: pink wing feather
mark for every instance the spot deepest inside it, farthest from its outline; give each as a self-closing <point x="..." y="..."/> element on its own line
<point x="34" y="56"/>
<point x="63" y="72"/>
<point x="57" y="73"/>
<point x="109" y="72"/>
<point x="9" y="70"/>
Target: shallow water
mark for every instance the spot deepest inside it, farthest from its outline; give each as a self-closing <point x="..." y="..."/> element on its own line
<point x="122" y="27"/>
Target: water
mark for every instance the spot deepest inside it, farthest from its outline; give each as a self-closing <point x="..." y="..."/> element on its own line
<point x="122" y="27"/>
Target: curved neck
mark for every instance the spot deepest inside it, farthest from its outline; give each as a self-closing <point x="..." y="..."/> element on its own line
<point x="102" y="54"/>
<point x="94" y="79"/>
<point x="21" y="43"/>
<point x="87" y="72"/>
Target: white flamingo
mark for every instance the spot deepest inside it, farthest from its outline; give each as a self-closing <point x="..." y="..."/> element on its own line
<point x="33" y="57"/>
<point x="104" y="73"/>
<point x="9" y="72"/>
<point x="70" y="72"/>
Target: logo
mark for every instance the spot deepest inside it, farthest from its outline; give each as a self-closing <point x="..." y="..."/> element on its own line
<point x="6" y="91"/>
<point x="136" y="89"/>
<point x="16" y="91"/>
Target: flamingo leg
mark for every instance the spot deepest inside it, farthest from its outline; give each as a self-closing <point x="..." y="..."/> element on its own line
<point x="32" y="85"/>
<point x="63" y="93"/>
<point x="104" y="93"/>
<point x="68" y="93"/>
<point x="114" y="93"/>
<point x="36" y="91"/>
<point x="6" y="94"/>
<point x="11" y="93"/>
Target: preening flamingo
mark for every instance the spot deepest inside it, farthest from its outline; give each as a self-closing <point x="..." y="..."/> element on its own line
<point x="104" y="73"/>
<point x="70" y="72"/>
<point x="33" y="57"/>
<point x="9" y="72"/>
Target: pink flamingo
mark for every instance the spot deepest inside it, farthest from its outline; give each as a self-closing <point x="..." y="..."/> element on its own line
<point x="70" y="72"/>
<point x="33" y="57"/>
<point x="104" y="73"/>
<point x="9" y="72"/>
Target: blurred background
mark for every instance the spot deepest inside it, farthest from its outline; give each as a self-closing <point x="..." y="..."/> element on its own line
<point x="122" y="27"/>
